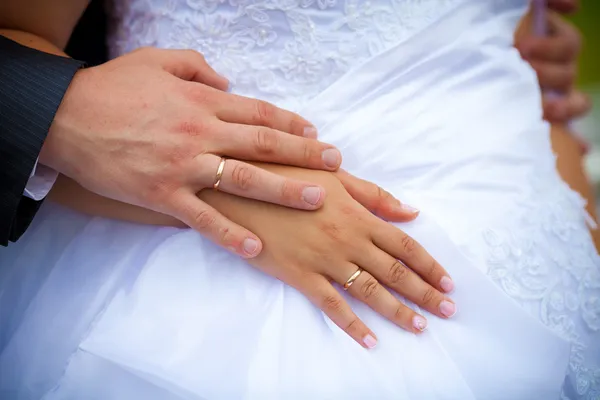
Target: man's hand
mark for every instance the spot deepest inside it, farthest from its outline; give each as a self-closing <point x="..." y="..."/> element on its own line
<point x="150" y="128"/>
<point x="554" y="58"/>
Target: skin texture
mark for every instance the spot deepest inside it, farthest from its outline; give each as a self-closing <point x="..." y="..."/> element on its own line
<point x="157" y="145"/>
<point x="339" y="221"/>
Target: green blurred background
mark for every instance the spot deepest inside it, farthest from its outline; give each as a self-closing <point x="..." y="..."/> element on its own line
<point x="588" y="21"/>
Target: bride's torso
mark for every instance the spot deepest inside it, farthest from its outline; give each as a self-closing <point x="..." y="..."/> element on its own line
<point x="458" y="131"/>
<point x="283" y="51"/>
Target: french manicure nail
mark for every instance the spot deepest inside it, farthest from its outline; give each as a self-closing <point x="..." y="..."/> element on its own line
<point x="447" y="308"/>
<point x="311" y="194"/>
<point x="331" y="158"/>
<point x="370" y="341"/>
<point x="229" y="86"/>
<point x="250" y="246"/>
<point x="310" y="132"/>
<point x="419" y="323"/>
<point x="447" y="284"/>
<point x="410" y="209"/>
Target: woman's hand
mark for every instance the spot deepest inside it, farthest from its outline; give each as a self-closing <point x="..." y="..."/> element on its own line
<point x="310" y="250"/>
<point x="554" y="58"/>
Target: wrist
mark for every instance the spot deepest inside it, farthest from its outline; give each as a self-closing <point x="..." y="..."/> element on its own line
<point x="58" y="151"/>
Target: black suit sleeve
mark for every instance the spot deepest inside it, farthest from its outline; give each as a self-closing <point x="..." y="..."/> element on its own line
<point x="32" y="85"/>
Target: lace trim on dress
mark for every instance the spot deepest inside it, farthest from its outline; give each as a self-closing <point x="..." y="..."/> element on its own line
<point x="286" y="50"/>
<point x="562" y="288"/>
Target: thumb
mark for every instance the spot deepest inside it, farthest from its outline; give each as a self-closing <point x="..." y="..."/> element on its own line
<point x="190" y="65"/>
<point x="376" y="200"/>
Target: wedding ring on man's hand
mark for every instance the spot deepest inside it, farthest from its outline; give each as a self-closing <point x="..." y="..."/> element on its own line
<point x="352" y="278"/>
<point x="219" y="173"/>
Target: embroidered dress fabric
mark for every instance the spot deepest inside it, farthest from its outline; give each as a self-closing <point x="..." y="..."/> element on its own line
<point x="427" y="99"/>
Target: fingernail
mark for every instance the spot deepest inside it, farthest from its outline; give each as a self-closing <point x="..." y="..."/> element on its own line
<point x="311" y="195"/>
<point x="331" y="158"/>
<point x="310" y="132"/>
<point x="410" y="209"/>
<point x="370" y="341"/>
<point x="447" y="308"/>
<point x="229" y="86"/>
<point x="419" y="323"/>
<point x="250" y="246"/>
<point x="447" y="284"/>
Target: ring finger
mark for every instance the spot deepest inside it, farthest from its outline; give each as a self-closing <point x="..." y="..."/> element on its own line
<point x="247" y="180"/>
<point x="368" y="290"/>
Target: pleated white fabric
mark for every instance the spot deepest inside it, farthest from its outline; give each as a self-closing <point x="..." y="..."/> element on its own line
<point x="448" y="120"/>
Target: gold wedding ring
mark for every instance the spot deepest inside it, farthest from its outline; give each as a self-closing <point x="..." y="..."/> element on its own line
<point x="219" y="175"/>
<point x="352" y="278"/>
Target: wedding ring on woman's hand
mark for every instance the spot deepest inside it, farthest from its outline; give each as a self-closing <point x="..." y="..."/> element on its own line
<point x="219" y="175"/>
<point x="352" y="278"/>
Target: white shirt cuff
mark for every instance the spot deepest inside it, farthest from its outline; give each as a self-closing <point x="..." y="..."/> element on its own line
<point x="40" y="182"/>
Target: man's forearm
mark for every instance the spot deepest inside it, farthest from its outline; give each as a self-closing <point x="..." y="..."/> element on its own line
<point x="32" y="84"/>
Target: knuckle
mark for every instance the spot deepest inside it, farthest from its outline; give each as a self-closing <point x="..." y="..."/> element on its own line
<point x="309" y="151"/>
<point x="225" y="236"/>
<point x="265" y="112"/>
<point x="400" y="313"/>
<point x="204" y="219"/>
<point x="380" y="198"/>
<point x="433" y="269"/>
<point x="370" y="288"/>
<point x="175" y="155"/>
<point x="190" y="128"/>
<point x="197" y="94"/>
<point x="267" y="141"/>
<point x="351" y="213"/>
<point x="409" y="245"/>
<point x="428" y="296"/>
<point x="193" y="54"/>
<point x="348" y="210"/>
<point x="332" y="230"/>
<point x="382" y="195"/>
<point x="242" y="176"/>
<point x="296" y="124"/>
<point x="353" y="326"/>
<point x="331" y="304"/>
<point x="398" y="273"/>
<point x="289" y="192"/>
<point x="157" y="191"/>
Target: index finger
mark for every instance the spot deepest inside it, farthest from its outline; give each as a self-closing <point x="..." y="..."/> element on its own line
<point x="247" y="111"/>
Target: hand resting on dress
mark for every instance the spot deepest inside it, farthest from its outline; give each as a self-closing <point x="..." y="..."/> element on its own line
<point x="310" y="249"/>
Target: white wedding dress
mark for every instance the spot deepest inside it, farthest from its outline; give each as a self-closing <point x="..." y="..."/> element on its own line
<point x="426" y="98"/>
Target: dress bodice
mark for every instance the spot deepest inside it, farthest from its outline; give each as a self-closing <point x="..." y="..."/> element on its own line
<point x="283" y="51"/>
